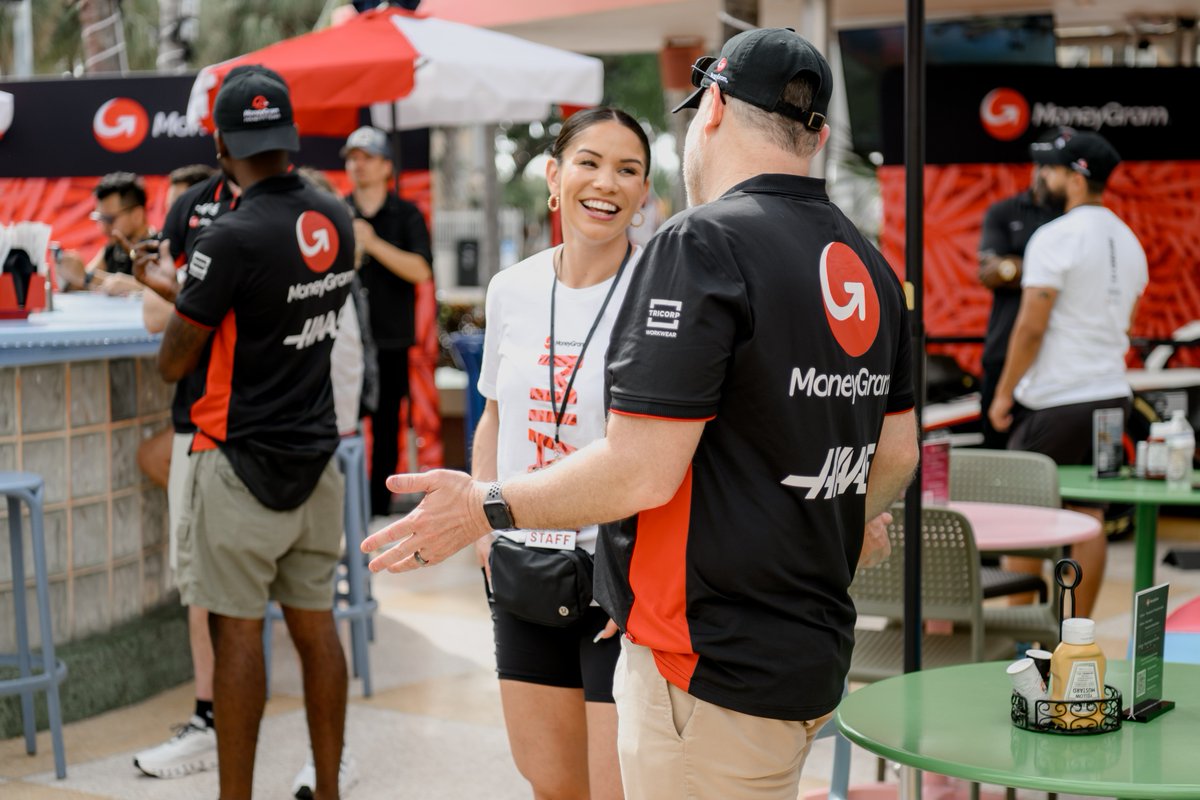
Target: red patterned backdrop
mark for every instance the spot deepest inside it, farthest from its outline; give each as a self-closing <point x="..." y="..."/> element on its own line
<point x="65" y="204"/>
<point x="1159" y="200"/>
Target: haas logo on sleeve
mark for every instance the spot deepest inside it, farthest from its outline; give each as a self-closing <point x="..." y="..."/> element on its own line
<point x="851" y="304"/>
<point x="318" y="240"/>
<point x="120" y="125"/>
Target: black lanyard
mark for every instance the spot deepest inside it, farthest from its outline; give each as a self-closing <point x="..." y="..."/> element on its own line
<point x="560" y="411"/>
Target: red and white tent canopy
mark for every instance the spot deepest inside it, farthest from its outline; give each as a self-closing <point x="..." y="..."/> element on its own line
<point x="438" y="72"/>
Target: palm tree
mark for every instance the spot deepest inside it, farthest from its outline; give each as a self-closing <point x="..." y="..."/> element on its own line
<point x="103" y="34"/>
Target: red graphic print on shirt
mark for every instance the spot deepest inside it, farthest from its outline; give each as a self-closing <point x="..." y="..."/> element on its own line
<point x="549" y="451"/>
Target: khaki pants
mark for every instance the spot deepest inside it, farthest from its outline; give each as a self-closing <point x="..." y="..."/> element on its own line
<point x="673" y="745"/>
<point x="235" y="554"/>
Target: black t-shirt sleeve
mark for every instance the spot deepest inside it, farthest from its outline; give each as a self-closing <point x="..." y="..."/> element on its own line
<point x="900" y="395"/>
<point x="174" y="227"/>
<point x="416" y="233"/>
<point x="213" y="272"/>
<point x="676" y="331"/>
<point x="995" y="236"/>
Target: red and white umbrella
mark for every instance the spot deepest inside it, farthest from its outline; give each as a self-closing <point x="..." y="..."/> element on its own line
<point x="436" y="72"/>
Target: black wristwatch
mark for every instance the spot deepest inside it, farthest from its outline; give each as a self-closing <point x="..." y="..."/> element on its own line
<point x="499" y="515"/>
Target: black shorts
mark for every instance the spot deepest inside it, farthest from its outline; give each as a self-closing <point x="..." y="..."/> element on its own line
<point x="1062" y="432"/>
<point x="566" y="657"/>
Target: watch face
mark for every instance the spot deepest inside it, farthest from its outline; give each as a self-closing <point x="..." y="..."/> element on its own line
<point x="498" y="515"/>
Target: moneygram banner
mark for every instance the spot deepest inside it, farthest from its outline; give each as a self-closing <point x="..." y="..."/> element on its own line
<point x="92" y="126"/>
<point x="991" y="114"/>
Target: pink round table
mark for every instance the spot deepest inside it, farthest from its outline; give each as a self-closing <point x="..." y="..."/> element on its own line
<point x="1004" y="527"/>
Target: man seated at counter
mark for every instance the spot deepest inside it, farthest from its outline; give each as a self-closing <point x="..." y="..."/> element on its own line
<point x="121" y="214"/>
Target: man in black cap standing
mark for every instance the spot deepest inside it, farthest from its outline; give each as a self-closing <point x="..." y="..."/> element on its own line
<point x="1083" y="275"/>
<point x="397" y="256"/>
<point x="761" y="405"/>
<point x="262" y="514"/>
<point x="1007" y="226"/>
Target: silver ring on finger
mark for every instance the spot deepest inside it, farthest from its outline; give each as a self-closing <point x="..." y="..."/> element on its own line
<point x="420" y="561"/>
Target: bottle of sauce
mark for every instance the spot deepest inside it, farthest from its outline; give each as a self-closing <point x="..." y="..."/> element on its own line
<point x="1077" y="674"/>
<point x="1156" y="451"/>
<point x="1181" y="449"/>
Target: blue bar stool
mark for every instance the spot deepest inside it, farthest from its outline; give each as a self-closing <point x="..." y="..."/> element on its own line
<point x="352" y="598"/>
<point x="467" y="351"/>
<point x="18" y="487"/>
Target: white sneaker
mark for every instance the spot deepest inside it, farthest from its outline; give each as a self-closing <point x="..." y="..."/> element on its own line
<point x="306" y="778"/>
<point x="193" y="748"/>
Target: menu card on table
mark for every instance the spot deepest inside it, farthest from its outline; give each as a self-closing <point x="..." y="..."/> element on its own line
<point x="935" y="470"/>
<point x="1149" y="638"/>
<point x="1108" y="425"/>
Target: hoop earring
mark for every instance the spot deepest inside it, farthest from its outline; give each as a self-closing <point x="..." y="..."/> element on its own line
<point x="552" y="202"/>
<point x="638" y="219"/>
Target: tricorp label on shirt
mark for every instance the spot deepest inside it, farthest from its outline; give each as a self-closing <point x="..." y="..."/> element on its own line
<point x="663" y="318"/>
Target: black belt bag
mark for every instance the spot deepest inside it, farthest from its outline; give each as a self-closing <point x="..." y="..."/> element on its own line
<point x="549" y="587"/>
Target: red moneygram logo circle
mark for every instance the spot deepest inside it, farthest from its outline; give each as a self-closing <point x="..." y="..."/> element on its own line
<point x="724" y="62"/>
<point x="120" y="125"/>
<point x="851" y="304"/>
<point x="259" y="102"/>
<point x="1004" y="114"/>
<point x="318" y="240"/>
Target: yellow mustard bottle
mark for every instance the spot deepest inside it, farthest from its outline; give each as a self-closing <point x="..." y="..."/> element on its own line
<point x="1077" y="673"/>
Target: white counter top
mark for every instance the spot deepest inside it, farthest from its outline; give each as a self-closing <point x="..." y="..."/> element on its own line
<point x="81" y="327"/>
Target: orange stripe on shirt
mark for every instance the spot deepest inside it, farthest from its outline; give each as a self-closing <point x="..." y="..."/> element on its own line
<point x="211" y="412"/>
<point x="658" y="577"/>
<point x="668" y="419"/>
<point x="191" y="321"/>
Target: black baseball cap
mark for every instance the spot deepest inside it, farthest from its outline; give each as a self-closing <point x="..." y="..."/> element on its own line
<point x="253" y="112"/>
<point x="1089" y="154"/>
<point x="1044" y="151"/>
<point x="756" y="66"/>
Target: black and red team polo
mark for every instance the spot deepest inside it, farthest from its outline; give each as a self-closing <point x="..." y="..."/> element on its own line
<point x="769" y="315"/>
<point x="269" y="279"/>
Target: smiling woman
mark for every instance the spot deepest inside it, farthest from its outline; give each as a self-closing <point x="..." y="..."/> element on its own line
<point x="549" y="320"/>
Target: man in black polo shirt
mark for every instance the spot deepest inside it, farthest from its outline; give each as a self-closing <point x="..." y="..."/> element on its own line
<point x="262" y="519"/>
<point x="1007" y="226"/>
<point x="398" y="255"/>
<point x="760" y="389"/>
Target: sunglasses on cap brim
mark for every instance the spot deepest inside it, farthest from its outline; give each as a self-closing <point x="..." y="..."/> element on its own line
<point x="700" y="70"/>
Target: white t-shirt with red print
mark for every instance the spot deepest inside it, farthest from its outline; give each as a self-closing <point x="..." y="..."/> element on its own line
<point x="516" y="366"/>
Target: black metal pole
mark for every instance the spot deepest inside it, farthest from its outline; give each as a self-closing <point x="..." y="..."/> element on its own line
<point x="914" y="245"/>
<point x="396" y="149"/>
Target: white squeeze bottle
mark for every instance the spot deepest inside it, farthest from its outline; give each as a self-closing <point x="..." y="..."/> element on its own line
<point x="1181" y="449"/>
<point x="1077" y="672"/>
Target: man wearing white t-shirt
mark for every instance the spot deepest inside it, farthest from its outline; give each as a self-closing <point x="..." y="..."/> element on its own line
<point x="1083" y="275"/>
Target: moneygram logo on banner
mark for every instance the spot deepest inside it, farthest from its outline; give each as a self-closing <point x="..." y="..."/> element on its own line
<point x="120" y="125"/>
<point x="1093" y="118"/>
<point x="1004" y="114"/>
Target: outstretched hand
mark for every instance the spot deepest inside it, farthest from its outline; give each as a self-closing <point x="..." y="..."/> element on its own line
<point x="448" y="518"/>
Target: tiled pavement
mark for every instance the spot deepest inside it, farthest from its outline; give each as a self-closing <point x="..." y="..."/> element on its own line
<point x="433" y="728"/>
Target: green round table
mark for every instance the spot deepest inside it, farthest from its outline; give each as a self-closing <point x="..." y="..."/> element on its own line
<point x="955" y="721"/>
<point x="1077" y="483"/>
